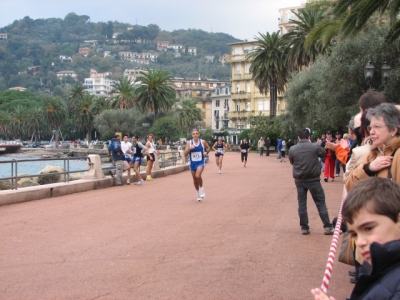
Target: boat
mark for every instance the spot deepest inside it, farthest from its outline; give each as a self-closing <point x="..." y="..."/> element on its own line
<point x="9" y="147"/>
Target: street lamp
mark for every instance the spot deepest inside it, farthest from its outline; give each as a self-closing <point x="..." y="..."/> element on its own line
<point x="369" y="73"/>
<point x="145" y="125"/>
<point x="385" y="72"/>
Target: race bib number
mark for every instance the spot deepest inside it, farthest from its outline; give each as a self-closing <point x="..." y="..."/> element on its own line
<point x="220" y="150"/>
<point x="195" y="156"/>
<point x="244" y="150"/>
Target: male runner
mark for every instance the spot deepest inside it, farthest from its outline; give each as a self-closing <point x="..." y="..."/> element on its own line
<point x="219" y="148"/>
<point x="126" y="149"/>
<point x="138" y="149"/>
<point x="196" y="148"/>
<point x="244" y="149"/>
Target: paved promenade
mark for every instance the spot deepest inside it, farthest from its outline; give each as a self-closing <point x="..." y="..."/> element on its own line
<point x="156" y="241"/>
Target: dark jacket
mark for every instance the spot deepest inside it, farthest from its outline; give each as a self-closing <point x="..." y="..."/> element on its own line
<point x="304" y="158"/>
<point x="383" y="282"/>
<point x="115" y="148"/>
<point x="267" y="143"/>
<point x="332" y="152"/>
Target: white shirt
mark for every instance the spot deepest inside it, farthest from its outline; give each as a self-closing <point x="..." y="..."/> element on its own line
<point x="125" y="146"/>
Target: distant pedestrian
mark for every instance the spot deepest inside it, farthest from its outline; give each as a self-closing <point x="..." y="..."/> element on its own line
<point x="244" y="149"/>
<point x="306" y="174"/>
<point x="261" y="145"/>
<point x="114" y="149"/>
<point x="150" y="150"/>
<point x="267" y="145"/>
<point x="279" y="147"/>
<point x="283" y="151"/>
<point x="138" y="149"/>
<point x="126" y="148"/>
<point x="196" y="149"/>
<point x="329" y="172"/>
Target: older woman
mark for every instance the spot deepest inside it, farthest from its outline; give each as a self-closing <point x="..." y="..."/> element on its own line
<point x="383" y="159"/>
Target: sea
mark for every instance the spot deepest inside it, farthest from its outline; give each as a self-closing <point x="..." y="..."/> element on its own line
<point x="34" y="167"/>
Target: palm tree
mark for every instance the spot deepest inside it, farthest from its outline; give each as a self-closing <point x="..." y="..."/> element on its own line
<point x="123" y="89"/>
<point x="99" y="105"/>
<point x="18" y="115"/>
<point x="77" y="91"/>
<point x="187" y="114"/>
<point x="299" y="55"/>
<point x="5" y="120"/>
<point x="83" y="115"/>
<point x="55" y="113"/>
<point x="268" y="67"/>
<point x="35" y="122"/>
<point x="155" y="92"/>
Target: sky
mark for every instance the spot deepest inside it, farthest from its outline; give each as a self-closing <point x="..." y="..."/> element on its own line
<point x="243" y="19"/>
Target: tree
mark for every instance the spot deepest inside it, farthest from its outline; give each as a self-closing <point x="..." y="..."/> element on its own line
<point x="83" y="115"/>
<point x="35" y="122"/>
<point x="187" y="114"/>
<point x="165" y="129"/>
<point x="155" y="93"/>
<point x="124" y="97"/>
<point x="120" y="120"/>
<point x="99" y="105"/>
<point x="55" y="113"/>
<point x="299" y="55"/>
<point x="5" y="120"/>
<point x="268" y="66"/>
<point x="77" y="92"/>
<point x="18" y="121"/>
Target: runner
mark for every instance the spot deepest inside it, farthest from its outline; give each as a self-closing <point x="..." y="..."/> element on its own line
<point x="126" y="149"/>
<point x="219" y="148"/>
<point x="138" y="149"/>
<point x="244" y="149"/>
<point x="196" y="147"/>
<point x="150" y="150"/>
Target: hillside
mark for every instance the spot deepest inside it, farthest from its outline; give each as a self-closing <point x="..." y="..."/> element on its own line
<point x="33" y="51"/>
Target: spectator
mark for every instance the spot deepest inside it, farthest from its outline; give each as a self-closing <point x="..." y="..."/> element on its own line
<point x="261" y="145"/>
<point x="267" y="145"/>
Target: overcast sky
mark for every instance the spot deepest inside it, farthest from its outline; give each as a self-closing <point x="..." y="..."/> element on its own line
<point x="242" y="19"/>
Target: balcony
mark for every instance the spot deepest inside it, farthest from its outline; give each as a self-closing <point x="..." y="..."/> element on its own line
<point x="241" y="95"/>
<point x="235" y="58"/>
<point x="240" y="114"/>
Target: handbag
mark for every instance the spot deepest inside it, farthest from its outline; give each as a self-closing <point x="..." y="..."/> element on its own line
<point x="346" y="254"/>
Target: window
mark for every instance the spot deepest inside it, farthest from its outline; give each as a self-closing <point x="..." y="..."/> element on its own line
<point x="237" y="88"/>
<point x="237" y="106"/>
<point x="238" y="70"/>
<point x="217" y="90"/>
<point x="247" y="68"/>
<point x="248" y="106"/>
<point x="238" y="50"/>
<point x="247" y="87"/>
<point x="266" y="104"/>
<point x="226" y="104"/>
<point x="260" y="105"/>
<point x="226" y="124"/>
<point x="217" y="125"/>
<point x="216" y="103"/>
<point x="216" y="114"/>
<point x="226" y="91"/>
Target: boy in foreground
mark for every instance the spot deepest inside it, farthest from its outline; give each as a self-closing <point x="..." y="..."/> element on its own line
<point x="372" y="214"/>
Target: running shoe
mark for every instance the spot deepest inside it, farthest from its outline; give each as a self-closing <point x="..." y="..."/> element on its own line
<point x="198" y="196"/>
<point x="202" y="193"/>
<point x="326" y="179"/>
<point x="219" y="172"/>
<point x="305" y="231"/>
<point x="128" y="181"/>
<point x="331" y="179"/>
<point x="329" y="230"/>
<point x="149" y="179"/>
<point x="139" y="182"/>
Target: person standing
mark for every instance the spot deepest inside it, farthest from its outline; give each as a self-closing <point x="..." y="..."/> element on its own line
<point x="219" y="148"/>
<point x="126" y="148"/>
<point x="283" y="151"/>
<point x="306" y="174"/>
<point x="338" y="163"/>
<point x="329" y="171"/>
<point x="114" y="149"/>
<point x="150" y="150"/>
<point x="195" y="148"/>
<point x="279" y="147"/>
<point x="267" y="145"/>
<point x="138" y="149"/>
<point x="261" y="145"/>
<point x="244" y="149"/>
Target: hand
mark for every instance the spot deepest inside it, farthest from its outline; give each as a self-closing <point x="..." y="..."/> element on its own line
<point x="381" y="162"/>
<point x="330" y="145"/>
<point x="344" y="143"/>
<point x="320" y="295"/>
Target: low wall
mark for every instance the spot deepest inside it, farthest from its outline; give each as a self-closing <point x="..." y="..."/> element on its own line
<point x="78" y="186"/>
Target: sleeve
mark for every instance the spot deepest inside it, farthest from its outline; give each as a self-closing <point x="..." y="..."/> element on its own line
<point x="321" y="152"/>
<point x="143" y="147"/>
<point x="356" y="175"/>
<point x="342" y="154"/>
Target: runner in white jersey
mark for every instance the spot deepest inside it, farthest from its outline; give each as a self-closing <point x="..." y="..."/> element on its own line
<point x="219" y="148"/>
<point x="126" y="149"/>
<point x="196" y="148"/>
<point x="138" y="148"/>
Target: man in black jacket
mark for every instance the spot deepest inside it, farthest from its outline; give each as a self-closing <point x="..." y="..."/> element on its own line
<point x="306" y="174"/>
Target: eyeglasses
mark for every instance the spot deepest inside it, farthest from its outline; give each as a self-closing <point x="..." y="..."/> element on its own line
<point x="375" y="127"/>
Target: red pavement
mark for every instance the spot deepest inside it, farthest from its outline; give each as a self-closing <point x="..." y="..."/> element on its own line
<point x="156" y="241"/>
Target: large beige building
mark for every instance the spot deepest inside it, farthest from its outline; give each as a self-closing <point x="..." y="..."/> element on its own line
<point x="247" y="99"/>
<point x="286" y="17"/>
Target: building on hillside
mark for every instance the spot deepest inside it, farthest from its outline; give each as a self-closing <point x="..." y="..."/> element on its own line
<point x="134" y="73"/>
<point x="18" y="88"/>
<point x="138" y="57"/>
<point x="247" y="99"/>
<point x="63" y="74"/>
<point x="222" y="59"/>
<point x="32" y="70"/>
<point x="286" y="17"/>
<point x="3" y="36"/>
<point x="162" y="45"/>
<point x="98" y="84"/>
<point x="192" y="51"/>
<point x="84" y="51"/>
<point x="175" y="48"/>
<point x="201" y="90"/>
<point x="65" y="58"/>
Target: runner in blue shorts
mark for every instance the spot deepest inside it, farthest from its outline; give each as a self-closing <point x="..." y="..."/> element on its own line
<point x="138" y="150"/>
<point x="195" y="148"/>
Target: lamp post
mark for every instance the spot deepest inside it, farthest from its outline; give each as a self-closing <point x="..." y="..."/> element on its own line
<point x="145" y="126"/>
<point x="369" y="73"/>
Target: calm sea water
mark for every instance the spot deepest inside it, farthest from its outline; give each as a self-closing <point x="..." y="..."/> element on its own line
<point x="35" y="167"/>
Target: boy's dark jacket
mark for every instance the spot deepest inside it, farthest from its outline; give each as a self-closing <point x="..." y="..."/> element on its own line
<point x="383" y="283"/>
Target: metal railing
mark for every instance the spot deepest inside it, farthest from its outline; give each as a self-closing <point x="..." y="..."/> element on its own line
<point x="14" y="169"/>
